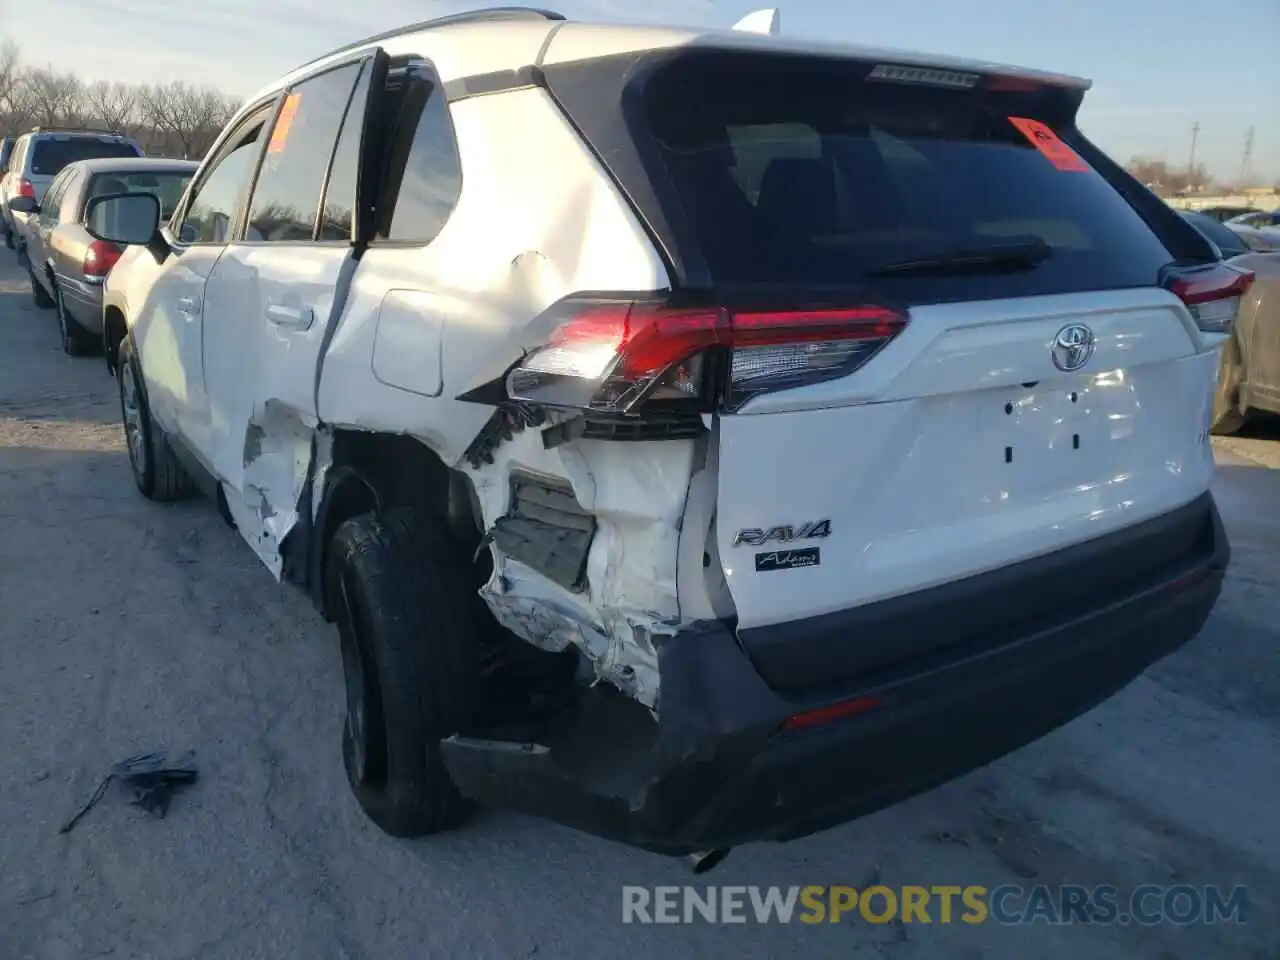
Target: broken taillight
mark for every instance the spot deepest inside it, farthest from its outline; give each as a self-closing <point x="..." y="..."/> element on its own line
<point x="1213" y="294"/>
<point x="611" y="356"/>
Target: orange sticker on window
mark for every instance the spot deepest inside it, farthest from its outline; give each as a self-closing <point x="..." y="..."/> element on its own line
<point x="1052" y="148"/>
<point x="281" y="132"/>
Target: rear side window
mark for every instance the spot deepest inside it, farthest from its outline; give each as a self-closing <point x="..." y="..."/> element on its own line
<point x="801" y="172"/>
<point x="167" y="186"/>
<point x="286" y="199"/>
<point x="338" y="216"/>
<point x="50" y="154"/>
<point x="425" y="174"/>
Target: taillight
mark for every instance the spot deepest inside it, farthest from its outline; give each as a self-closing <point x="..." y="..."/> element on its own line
<point x="611" y="356"/>
<point x="1213" y="294"/>
<point x="100" y="258"/>
<point x="25" y="189"/>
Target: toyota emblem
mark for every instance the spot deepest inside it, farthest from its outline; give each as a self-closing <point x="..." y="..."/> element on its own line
<point x="1072" y="347"/>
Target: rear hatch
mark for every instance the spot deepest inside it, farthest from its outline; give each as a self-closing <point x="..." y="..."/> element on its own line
<point x="974" y="357"/>
<point x="51" y="152"/>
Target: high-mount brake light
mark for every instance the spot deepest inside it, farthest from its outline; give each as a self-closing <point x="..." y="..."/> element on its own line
<point x="1213" y="294"/>
<point x="612" y="356"/>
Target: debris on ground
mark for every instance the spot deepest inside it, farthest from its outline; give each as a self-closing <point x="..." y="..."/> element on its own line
<point x="153" y="779"/>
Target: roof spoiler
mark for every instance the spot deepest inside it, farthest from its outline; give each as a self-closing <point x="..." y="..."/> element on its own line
<point x="768" y="22"/>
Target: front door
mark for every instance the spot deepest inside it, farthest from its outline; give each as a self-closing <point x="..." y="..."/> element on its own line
<point x="170" y="340"/>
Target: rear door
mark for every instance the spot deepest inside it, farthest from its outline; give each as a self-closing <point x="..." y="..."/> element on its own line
<point x="272" y="295"/>
<point x="992" y="371"/>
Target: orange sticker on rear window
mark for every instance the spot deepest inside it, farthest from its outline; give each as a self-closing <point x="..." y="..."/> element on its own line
<point x="281" y="132"/>
<point x="1048" y="143"/>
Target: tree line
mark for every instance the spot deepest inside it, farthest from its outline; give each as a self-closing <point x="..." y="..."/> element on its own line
<point x="173" y="119"/>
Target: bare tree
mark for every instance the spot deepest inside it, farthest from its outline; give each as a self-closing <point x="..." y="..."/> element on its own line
<point x="56" y="98"/>
<point x="190" y="116"/>
<point x="114" y="105"/>
<point x="10" y="73"/>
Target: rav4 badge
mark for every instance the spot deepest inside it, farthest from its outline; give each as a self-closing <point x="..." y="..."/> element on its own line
<point x="755" y="537"/>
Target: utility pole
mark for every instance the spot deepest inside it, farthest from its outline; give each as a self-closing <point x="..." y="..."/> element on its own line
<point x="1191" y="167"/>
<point x="1246" y="160"/>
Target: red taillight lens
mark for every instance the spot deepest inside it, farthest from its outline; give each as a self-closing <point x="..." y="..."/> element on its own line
<point x="100" y="258"/>
<point x="1213" y="294"/>
<point x="25" y="189"/>
<point x="612" y="356"/>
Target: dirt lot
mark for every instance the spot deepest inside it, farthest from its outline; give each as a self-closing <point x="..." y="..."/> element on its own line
<point x="127" y="626"/>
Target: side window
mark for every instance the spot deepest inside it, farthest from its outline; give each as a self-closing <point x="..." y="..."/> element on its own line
<point x="286" y="199"/>
<point x="425" y="174"/>
<point x="338" y="215"/>
<point x="67" y="199"/>
<point x="52" y="200"/>
<point x="212" y="209"/>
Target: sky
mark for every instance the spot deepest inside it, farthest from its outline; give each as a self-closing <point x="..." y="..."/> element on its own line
<point x="1158" y="66"/>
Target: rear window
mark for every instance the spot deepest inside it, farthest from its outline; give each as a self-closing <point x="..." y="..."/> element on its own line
<point x="166" y="186"/>
<point x="50" y="155"/>
<point x="802" y="172"/>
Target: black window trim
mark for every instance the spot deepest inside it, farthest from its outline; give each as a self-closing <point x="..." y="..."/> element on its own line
<point x="424" y="70"/>
<point x="363" y="59"/>
<point x="268" y="107"/>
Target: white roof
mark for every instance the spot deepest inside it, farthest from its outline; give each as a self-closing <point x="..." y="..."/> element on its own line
<point x="489" y="46"/>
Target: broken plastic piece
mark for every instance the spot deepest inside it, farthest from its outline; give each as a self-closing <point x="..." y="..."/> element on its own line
<point x="767" y="21"/>
<point x="153" y="779"/>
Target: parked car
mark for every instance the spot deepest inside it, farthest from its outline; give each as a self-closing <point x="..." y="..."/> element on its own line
<point x="40" y="155"/>
<point x="1259" y="240"/>
<point x="1224" y="213"/>
<point x="1258" y="219"/>
<point x="1230" y="242"/>
<point x="1249" y="373"/>
<point x="814" y="423"/>
<point x="6" y="151"/>
<point x="67" y="266"/>
<point x="1249" y="381"/>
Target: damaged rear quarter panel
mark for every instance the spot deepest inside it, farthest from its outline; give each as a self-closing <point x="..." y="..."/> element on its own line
<point x="537" y="220"/>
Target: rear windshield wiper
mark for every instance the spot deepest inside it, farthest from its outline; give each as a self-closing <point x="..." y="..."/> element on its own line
<point x="994" y="258"/>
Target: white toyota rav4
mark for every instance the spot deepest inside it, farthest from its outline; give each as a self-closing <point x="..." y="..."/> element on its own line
<point x="696" y="437"/>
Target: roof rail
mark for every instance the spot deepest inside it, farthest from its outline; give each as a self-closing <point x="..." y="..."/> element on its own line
<point x="95" y="131"/>
<point x="467" y="16"/>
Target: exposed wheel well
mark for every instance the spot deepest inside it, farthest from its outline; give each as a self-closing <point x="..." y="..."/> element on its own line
<point x="379" y="472"/>
<point x="114" y="330"/>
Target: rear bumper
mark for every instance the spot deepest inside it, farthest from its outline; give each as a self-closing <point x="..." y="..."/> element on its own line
<point x="723" y="767"/>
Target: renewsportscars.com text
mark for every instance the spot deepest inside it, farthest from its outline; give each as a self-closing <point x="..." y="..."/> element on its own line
<point x="1007" y="905"/>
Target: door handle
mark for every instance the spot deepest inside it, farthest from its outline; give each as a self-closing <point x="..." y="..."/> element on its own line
<point x="188" y="304"/>
<point x="295" y="318"/>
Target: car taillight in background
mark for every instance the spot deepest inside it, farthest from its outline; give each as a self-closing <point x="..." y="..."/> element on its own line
<point x="1213" y="294"/>
<point x="612" y="355"/>
<point x="99" y="259"/>
<point x="25" y="189"/>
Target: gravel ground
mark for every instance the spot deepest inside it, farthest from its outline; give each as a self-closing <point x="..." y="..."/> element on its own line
<point x="127" y="626"/>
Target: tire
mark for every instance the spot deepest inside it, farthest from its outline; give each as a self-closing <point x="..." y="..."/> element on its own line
<point x="76" y="341"/>
<point x="1229" y="417"/>
<point x="408" y="641"/>
<point x="155" y="469"/>
<point x="38" y="294"/>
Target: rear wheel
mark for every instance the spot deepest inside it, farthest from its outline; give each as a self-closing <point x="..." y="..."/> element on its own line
<point x="1229" y="416"/>
<point x="408" y="645"/>
<point x="156" y="470"/>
